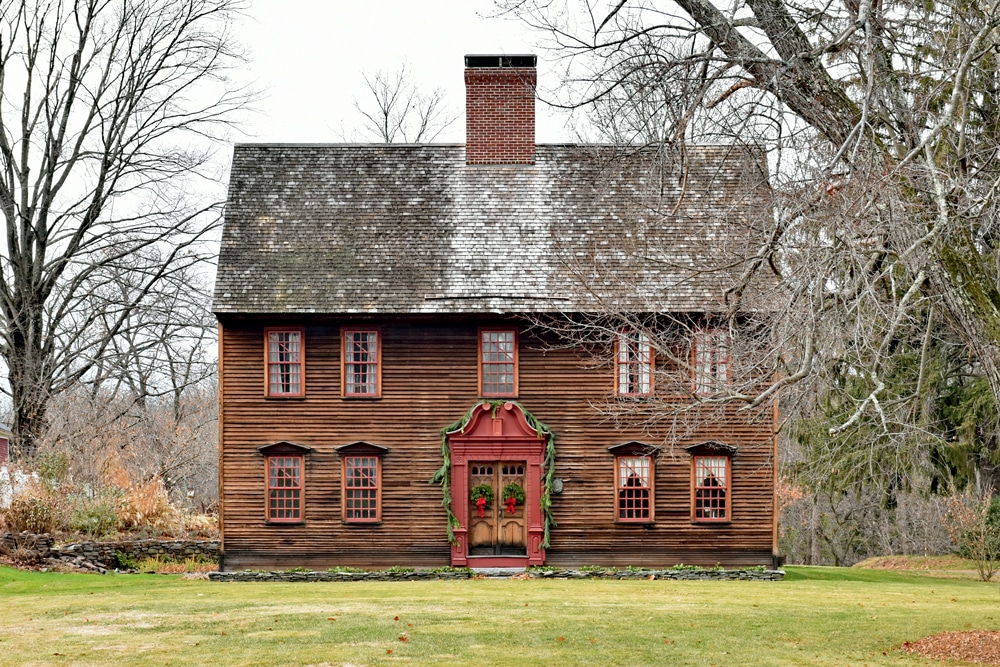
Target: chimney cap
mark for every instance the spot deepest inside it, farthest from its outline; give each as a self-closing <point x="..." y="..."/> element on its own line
<point x="500" y="60"/>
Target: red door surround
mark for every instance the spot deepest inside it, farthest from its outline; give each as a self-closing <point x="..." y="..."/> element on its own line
<point x="504" y="437"/>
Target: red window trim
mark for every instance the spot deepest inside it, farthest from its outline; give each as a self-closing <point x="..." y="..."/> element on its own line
<point x="619" y="489"/>
<point x="727" y="489"/>
<point x="301" y="363"/>
<point x="650" y="362"/>
<point x="270" y="505"/>
<point x="344" y="362"/>
<point x="482" y="362"/>
<point x="704" y="383"/>
<point x="345" y="462"/>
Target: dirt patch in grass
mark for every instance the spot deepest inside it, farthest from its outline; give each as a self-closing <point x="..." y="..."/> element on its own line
<point x="946" y="567"/>
<point x="950" y="562"/>
<point x="978" y="647"/>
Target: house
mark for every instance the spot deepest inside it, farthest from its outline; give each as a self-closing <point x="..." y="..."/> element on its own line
<point x="377" y="310"/>
<point x="5" y="436"/>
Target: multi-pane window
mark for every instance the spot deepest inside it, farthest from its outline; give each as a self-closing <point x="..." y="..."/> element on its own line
<point x="711" y="360"/>
<point x="361" y="488"/>
<point x="284" y="488"/>
<point x="711" y="488"/>
<point x="634" y="364"/>
<point x="361" y="363"/>
<point x="498" y="362"/>
<point x="284" y="362"/>
<point x="634" y="481"/>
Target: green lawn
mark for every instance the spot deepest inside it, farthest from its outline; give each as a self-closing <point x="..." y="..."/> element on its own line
<point x="817" y="616"/>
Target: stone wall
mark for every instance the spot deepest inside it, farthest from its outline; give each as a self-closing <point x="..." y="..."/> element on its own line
<point x="417" y="575"/>
<point x="100" y="556"/>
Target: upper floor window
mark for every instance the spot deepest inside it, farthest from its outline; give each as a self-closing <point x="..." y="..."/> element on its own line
<point x="498" y="362"/>
<point x="284" y="355"/>
<point x="633" y="364"/>
<point x="362" y="363"/>
<point x="710" y="360"/>
<point x="361" y="484"/>
<point x="284" y="465"/>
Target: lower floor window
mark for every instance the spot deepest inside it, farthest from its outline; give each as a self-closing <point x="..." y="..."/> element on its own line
<point x="284" y="488"/>
<point x="361" y="488"/>
<point x="634" y="488"/>
<point x="711" y="488"/>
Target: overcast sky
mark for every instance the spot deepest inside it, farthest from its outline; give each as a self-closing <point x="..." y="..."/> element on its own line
<point x="308" y="57"/>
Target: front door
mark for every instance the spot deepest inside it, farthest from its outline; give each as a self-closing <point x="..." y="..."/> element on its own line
<point x="498" y="532"/>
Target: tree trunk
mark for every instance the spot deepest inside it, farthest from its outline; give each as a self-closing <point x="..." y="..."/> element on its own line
<point x="30" y="384"/>
<point x="815" y="533"/>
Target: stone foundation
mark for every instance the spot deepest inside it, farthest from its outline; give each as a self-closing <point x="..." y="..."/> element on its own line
<point x="423" y="575"/>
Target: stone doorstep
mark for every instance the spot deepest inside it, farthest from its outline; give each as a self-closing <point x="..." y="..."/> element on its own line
<point x="497" y="572"/>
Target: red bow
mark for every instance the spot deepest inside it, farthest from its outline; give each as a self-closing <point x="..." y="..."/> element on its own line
<point x="511" y="504"/>
<point x="481" y="504"/>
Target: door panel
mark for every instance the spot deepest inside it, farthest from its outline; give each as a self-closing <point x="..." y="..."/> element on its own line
<point x="512" y="526"/>
<point x="499" y="532"/>
<point x="482" y="530"/>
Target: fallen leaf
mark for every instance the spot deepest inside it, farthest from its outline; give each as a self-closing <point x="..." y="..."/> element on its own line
<point x="224" y="633"/>
<point x="388" y="650"/>
<point x="409" y="625"/>
<point x="395" y="618"/>
<point x="332" y="618"/>
<point x="404" y="638"/>
<point x="560" y="639"/>
<point x="58" y="654"/>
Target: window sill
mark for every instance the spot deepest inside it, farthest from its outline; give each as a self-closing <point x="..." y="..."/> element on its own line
<point x="635" y="522"/>
<point x="711" y="522"/>
<point x="284" y="397"/>
<point x="285" y="523"/>
<point x="361" y="397"/>
<point x="362" y="523"/>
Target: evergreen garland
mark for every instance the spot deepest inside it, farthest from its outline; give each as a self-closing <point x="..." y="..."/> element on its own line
<point x="443" y="475"/>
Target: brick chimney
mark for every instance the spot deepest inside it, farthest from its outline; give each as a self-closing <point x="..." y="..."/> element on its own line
<point x="500" y="109"/>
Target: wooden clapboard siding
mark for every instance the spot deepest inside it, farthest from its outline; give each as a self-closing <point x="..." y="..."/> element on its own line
<point x="429" y="379"/>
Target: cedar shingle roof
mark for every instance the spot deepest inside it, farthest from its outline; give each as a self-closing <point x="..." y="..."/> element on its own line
<point x="413" y="229"/>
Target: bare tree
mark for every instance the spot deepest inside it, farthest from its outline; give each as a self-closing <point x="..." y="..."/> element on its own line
<point x="881" y="125"/>
<point x="397" y="111"/>
<point x="108" y="109"/>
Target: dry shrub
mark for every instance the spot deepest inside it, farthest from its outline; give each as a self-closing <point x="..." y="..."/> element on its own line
<point x="202" y="525"/>
<point x="34" y="509"/>
<point x="147" y="506"/>
<point x="974" y="526"/>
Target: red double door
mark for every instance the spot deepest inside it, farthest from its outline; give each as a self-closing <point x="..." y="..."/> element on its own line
<point x="497" y="447"/>
<point x="495" y="530"/>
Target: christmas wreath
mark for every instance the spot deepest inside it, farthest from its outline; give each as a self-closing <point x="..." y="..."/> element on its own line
<point x="482" y="495"/>
<point x="513" y="495"/>
<point x="483" y="491"/>
<point x="513" y="490"/>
